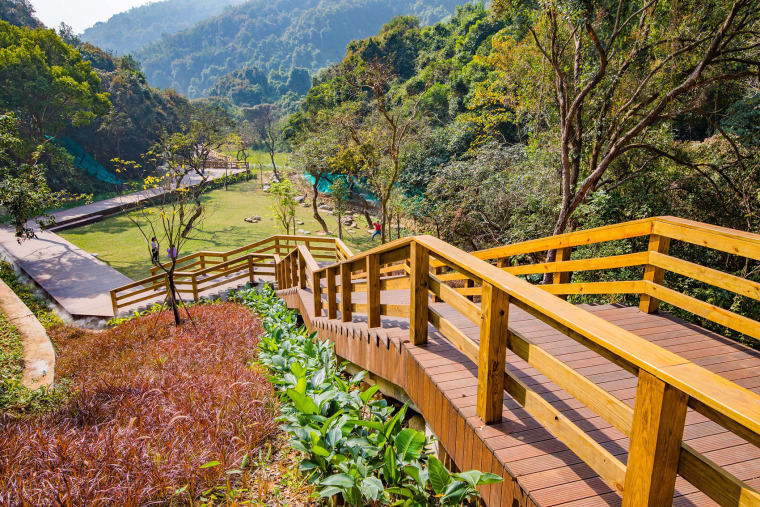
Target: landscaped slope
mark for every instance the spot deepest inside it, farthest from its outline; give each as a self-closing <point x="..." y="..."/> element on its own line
<point x="158" y="414"/>
<point x="273" y="35"/>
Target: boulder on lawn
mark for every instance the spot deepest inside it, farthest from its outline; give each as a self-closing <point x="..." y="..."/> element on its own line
<point x="265" y="188"/>
<point x="298" y="222"/>
<point x="305" y="205"/>
<point x="300" y="199"/>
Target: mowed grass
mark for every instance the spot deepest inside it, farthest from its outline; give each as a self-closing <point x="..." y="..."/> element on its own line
<point x="118" y="242"/>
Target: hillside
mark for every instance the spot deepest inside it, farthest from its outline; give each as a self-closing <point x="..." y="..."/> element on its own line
<point x="19" y="13"/>
<point x="272" y="35"/>
<point x="130" y="30"/>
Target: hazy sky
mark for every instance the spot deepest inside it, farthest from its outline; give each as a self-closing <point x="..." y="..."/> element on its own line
<point x="80" y="14"/>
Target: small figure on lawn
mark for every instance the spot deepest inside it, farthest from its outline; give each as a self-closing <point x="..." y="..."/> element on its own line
<point x="154" y="246"/>
<point x="171" y="252"/>
<point x="377" y="231"/>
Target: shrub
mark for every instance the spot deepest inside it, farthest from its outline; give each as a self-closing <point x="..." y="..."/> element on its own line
<point x="354" y="445"/>
<point x="159" y="415"/>
<point x="36" y="304"/>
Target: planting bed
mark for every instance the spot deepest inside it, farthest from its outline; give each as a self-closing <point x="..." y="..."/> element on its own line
<point x="158" y="415"/>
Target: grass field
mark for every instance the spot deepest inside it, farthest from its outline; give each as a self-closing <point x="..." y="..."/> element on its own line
<point x="118" y="242"/>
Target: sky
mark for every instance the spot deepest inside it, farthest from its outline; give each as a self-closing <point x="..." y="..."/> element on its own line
<point x="80" y="14"/>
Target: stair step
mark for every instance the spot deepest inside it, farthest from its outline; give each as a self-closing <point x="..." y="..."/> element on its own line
<point x="71" y="224"/>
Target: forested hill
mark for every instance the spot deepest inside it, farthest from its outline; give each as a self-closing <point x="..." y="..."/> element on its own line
<point x="127" y="31"/>
<point x="273" y="35"/>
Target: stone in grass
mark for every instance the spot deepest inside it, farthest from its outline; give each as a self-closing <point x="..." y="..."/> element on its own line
<point x="321" y="233"/>
<point x="299" y="222"/>
<point x="305" y="205"/>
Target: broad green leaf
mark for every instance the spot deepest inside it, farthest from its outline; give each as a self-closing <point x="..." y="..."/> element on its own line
<point x="409" y="443"/>
<point x="302" y="403"/>
<point x="366" y="395"/>
<point x="390" y="470"/>
<point x="339" y="480"/>
<point x="439" y="476"/>
<point x="210" y="464"/>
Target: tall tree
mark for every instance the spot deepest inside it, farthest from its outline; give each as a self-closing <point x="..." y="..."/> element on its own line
<point x="613" y="74"/>
<point x="47" y="84"/>
<point x="384" y="136"/>
<point x="264" y="119"/>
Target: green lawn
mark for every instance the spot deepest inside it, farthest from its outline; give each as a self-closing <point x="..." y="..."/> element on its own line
<point x="119" y="243"/>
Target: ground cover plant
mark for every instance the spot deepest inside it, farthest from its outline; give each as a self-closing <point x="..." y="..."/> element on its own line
<point x="356" y="450"/>
<point x="119" y="244"/>
<point x="159" y="415"/>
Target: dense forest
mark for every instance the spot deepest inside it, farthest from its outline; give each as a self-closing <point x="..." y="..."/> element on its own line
<point x="271" y="36"/>
<point x="511" y="123"/>
<point x="128" y="31"/>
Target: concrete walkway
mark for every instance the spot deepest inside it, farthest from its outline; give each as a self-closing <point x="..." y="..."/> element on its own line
<point x="78" y="281"/>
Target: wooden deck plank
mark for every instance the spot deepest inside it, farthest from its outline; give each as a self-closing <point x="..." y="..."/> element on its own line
<point x="541" y="470"/>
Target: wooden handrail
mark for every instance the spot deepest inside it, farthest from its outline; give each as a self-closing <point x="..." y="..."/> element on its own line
<point x="668" y="383"/>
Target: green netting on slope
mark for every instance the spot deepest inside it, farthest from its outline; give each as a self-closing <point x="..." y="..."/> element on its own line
<point x="84" y="161"/>
<point x="325" y="185"/>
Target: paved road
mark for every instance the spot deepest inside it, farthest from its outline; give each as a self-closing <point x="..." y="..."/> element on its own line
<point x="78" y="281"/>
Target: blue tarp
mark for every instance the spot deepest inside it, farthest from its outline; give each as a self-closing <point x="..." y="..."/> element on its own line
<point x="325" y="185"/>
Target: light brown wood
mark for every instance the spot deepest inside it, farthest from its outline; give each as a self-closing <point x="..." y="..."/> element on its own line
<point x="332" y="300"/>
<point x="563" y="255"/>
<point x="316" y="287"/>
<point x="594" y="455"/>
<point x="656" y="435"/>
<point x="293" y="257"/>
<point x="630" y="287"/>
<point x="457" y="338"/>
<point x="653" y="274"/>
<point x="494" y="332"/>
<point x="345" y="292"/>
<point x="251" y="270"/>
<point x="419" y="283"/>
<point x="726" y="240"/>
<point x="373" y="290"/>
<point x="453" y="298"/>
<point x="714" y="481"/>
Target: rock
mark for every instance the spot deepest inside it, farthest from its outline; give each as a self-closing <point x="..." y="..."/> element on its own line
<point x="298" y="222"/>
<point x="305" y="205"/>
<point x="321" y="233"/>
<point x="256" y="218"/>
<point x="251" y="220"/>
<point x="307" y="232"/>
<point x="300" y="231"/>
<point x="265" y="188"/>
<point x="300" y="199"/>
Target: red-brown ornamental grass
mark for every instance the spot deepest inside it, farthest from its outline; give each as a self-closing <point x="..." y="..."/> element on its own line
<point x="151" y="405"/>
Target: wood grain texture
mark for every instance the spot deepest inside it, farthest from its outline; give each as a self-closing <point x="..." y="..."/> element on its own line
<point x="418" y="293"/>
<point x="494" y="332"/>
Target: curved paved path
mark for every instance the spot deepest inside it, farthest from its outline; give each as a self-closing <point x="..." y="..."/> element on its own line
<point x="78" y="281"/>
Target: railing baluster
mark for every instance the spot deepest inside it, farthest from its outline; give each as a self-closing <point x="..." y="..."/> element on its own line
<point x="301" y="270"/>
<point x="437" y="271"/>
<point x="332" y="300"/>
<point x="563" y="254"/>
<point x="492" y="357"/>
<point x="419" y="283"/>
<point x="316" y="289"/>
<point x="660" y="244"/>
<point x="286" y="272"/>
<point x="345" y="292"/>
<point x="251" y="269"/>
<point x="293" y="270"/>
<point x="194" y="280"/>
<point x="373" y="290"/>
<point x="658" y="424"/>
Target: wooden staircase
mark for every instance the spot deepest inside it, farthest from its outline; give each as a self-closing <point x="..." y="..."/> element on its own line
<point x="572" y="405"/>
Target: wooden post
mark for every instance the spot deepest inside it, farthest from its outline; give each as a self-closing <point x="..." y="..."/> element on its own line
<point x="195" y="288"/>
<point x="293" y="270"/>
<point x="494" y="332"/>
<point x="502" y="262"/>
<point x="301" y="271"/>
<point x="114" y="302"/>
<point x="437" y="271"/>
<point x="658" y="423"/>
<point x="286" y="272"/>
<point x="316" y="286"/>
<point x="203" y="261"/>
<point x="563" y="254"/>
<point x="251" y="270"/>
<point x="345" y="292"/>
<point x="468" y="283"/>
<point x="332" y="300"/>
<point x="373" y="290"/>
<point x="419" y="283"/>
<point x="661" y="244"/>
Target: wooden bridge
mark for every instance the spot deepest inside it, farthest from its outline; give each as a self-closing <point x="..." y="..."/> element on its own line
<point x="578" y="405"/>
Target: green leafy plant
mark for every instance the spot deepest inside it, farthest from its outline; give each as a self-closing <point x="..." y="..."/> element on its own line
<point x="355" y="448"/>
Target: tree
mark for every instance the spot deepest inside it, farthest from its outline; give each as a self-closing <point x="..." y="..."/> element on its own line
<point x="264" y="118"/>
<point x="613" y="74"/>
<point x="47" y="84"/>
<point x="24" y="192"/>
<point x="285" y="205"/>
<point x="340" y="194"/>
<point x="383" y="137"/>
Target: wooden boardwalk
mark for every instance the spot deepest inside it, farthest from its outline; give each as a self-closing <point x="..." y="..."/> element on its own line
<point x="537" y="467"/>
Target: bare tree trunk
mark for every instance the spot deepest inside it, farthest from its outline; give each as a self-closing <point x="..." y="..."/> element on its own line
<point x="317" y="216"/>
<point x="173" y="299"/>
<point x="274" y="166"/>
<point x="365" y="207"/>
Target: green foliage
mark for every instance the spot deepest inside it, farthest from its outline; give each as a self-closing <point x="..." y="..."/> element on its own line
<point x="35" y="303"/>
<point x="285" y="205"/>
<point x="19" y="13"/>
<point x="128" y="31"/>
<point x="272" y="36"/>
<point x="353" y="443"/>
<point x="46" y="82"/>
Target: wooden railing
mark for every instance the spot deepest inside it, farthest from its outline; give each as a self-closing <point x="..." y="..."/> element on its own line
<point x="656" y="261"/>
<point x="207" y="270"/>
<point x="220" y="160"/>
<point x="667" y="383"/>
